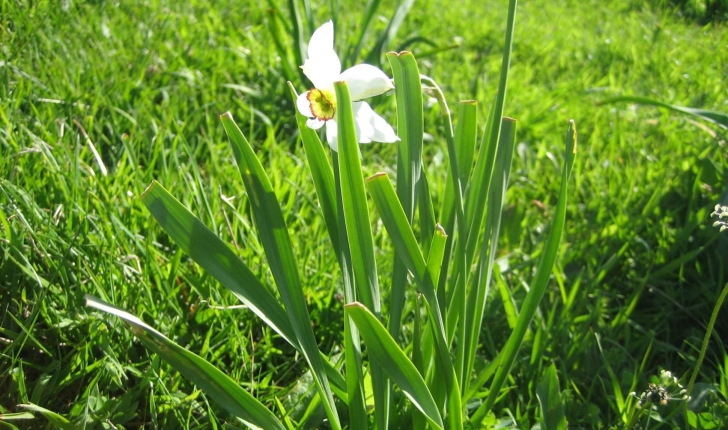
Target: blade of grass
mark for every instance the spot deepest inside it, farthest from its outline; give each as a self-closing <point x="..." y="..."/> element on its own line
<point x="57" y="420"/>
<point x="279" y="252"/>
<point x="299" y="40"/>
<point x="228" y="393"/>
<point x="718" y="118"/>
<point x="274" y="28"/>
<point x="405" y="245"/>
<point x="359" y="233"/>
<point x="386" y="37"/>
<point x="549" y="398"/>
<point x="17" y="416"/>
<point x="483" y="376"/>
<point x="321" y="174"/>
<point x="385" y="351"/>
<point x="217" y="259"/>
<point x="465" y="138"/>
<point x="408" y="92"/>
<point x="325" y="183"/>
<point x="507" y="299"/>
<point x="369" y="11"/>
<point x="619" y="399"/>
<point x="706" y="339"/>
<point x="540" y="282"/>
<point x="478" y="294"/>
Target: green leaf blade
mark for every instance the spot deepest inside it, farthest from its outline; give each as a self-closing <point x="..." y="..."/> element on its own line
<point x="549" y="399"/>
<point x="383" y="348"/>
<point x="321" y="174"/>
<point x="216" y="258"/>
<point x="56" y="419"/>
<point x="476" y="302"/>
<point x="210" y="379"/>
<point x="279" y="252"/>
<point x="718" y="118"/>
<point x="405" y="244"/>
<point x="541" y="278"/>
<point x="325" y="183"/>
<point x="356" y="220"/>
<point x="356" y="211"/>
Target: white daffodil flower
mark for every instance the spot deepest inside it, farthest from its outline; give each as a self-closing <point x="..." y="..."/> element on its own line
<point x="323" y="68"/>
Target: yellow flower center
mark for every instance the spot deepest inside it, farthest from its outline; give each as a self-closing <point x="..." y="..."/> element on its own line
<point x="323" y="104"/>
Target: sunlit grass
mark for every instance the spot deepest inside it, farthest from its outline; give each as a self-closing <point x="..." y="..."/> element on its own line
<point x="639" y="270"/>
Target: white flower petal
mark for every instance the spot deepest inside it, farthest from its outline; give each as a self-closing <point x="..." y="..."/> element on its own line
<point x="361" y="124"/>
<point x="372" y="126"/>
<point x="323" y="72"/>
<point x="365" y="80"/>
<point x="315" y="123"/>
<point x="332" y="133"/>
<point x="322" y="40"/>
<point x="323" y="65"/>
<point x="303" y="105"/>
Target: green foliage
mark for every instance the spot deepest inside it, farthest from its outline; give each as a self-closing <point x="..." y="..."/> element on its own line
<point x="639" y="271"/>
<point x="703" y="11"/>
<point x="295" y="26"/>
<point x="549" y="397"/>
<point x="216" y="384"/>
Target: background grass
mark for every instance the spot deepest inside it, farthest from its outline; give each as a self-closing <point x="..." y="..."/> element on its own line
<point x="639" y="270"/>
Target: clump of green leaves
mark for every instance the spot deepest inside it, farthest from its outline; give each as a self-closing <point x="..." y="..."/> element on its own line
<point x="430" y="379"/>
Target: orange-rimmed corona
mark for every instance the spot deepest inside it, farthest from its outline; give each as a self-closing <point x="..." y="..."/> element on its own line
<point x="323" y="104"/>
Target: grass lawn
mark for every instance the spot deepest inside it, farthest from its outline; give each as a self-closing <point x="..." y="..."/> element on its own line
<point x="98" y="99"/>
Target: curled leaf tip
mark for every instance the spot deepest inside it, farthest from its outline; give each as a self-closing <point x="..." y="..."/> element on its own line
<point x="377" y="175"/>
<point x="149" y="187"/>
<point x="354" y="305"/>
<point x="399" y="54"/>
<point x="88" y="299"/>
<point x="573" y="127"/>
<point x="227" y="115"/>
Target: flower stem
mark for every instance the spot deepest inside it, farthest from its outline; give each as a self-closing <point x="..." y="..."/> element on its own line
<point x="708" y="333"/>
